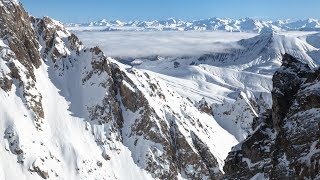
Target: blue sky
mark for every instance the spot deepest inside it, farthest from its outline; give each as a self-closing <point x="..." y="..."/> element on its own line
<point x="88" y="10"/>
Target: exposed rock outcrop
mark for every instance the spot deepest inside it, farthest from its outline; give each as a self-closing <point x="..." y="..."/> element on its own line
<point x="170" y="151"/>
<point x="204" y="106"/>
<point x="16" y="29"/>
<point x="285" y="143"/>
<point x="20" y="52"/>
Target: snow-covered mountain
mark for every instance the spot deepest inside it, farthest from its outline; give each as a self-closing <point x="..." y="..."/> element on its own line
<point x="237" y="80"/>
<point x="71" y="112"/>
<point x="211" y="24"/>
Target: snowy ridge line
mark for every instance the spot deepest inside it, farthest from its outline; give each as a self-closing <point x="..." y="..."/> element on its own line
<point x="211" y="24"/>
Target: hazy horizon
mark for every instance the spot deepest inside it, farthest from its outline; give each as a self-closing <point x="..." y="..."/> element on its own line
<point x="125" y="10"/>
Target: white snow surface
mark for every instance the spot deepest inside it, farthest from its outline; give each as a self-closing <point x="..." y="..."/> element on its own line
<point x="70" y="146"/>
<point x="63" y="148"/>
<point x="219" y="146"/>
<point x="232" y="67"/>
<point x="64" y="139"/>
<point x="210" y="24"/>
<point x="232" y="75"/>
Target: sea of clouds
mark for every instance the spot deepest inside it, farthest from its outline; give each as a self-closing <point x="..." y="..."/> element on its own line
<point x="142" y="44"/>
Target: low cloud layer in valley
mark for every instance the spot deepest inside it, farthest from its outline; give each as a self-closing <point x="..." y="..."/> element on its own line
<point x="140" y="44"/>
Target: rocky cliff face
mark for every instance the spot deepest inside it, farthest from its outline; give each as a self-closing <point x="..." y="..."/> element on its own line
<point x="19" y="49"/>
<point x="285" y="142"/>
<point x="69" y="112"/>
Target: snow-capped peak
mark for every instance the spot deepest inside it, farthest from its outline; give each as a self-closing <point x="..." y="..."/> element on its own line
<point x="210" y="24"/>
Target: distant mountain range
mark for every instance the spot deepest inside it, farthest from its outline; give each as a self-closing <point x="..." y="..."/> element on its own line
<point x="211" y="24"/>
